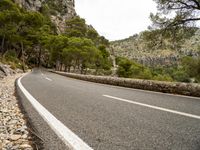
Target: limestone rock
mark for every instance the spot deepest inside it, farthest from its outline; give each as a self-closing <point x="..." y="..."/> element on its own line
<point x="61" y="9"/>
<point x="15" y="137"/>
<point x="13" y="128"/>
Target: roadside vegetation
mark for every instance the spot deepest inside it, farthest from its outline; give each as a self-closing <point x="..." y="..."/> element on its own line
<point x="187" y="71"/>
<point x="169" y="50"/>
<point x="30" y="39"/>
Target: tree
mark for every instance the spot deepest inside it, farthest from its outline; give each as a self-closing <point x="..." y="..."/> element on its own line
<point x="130" y="69"/>
<point x="55" y="44"/>
<point x="186" y="13"/>
<point x="10" y="17"/>
<point x="76" y="27"/>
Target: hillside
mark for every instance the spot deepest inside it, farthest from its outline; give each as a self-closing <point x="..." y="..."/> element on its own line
<point x="49" y="33"/>
<point x="146" y="50"/>
<point x="58" y="10"/>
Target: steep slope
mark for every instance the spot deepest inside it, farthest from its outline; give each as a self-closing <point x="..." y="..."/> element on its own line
<point x="136" y="47"/>
<point x="58" y="10"/>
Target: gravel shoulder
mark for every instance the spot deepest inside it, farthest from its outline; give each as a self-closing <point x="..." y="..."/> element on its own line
<point x="14" y="131"/>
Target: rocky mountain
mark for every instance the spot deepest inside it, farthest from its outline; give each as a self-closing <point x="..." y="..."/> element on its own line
<point x="136" y="48"/>
<point x="60" y="10"/>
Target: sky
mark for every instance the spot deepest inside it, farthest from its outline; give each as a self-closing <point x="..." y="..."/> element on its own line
<point x="116" y="19"/>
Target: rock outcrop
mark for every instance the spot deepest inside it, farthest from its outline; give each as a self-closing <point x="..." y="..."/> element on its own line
<point x="61" y="10"/>
<point x="5" y="70"/>
<point x="135" y="48"/>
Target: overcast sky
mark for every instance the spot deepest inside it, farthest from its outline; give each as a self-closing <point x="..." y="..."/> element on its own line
<point x="116" y="19"/>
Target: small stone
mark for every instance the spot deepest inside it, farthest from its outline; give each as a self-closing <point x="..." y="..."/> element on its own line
<point x="25" y="146"/>
<point x="1" y="145"/>
<point x="13" y="122"/>
<point x="15" y="137"/>
<point x="6" y="141"/>
<point x="3" y="136"/>
<point x="22" y="129"/>
<point x="24" y="136"/>
<point x="15" y="147"/>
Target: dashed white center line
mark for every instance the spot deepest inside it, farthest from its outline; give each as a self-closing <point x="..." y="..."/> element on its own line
<point x="153" y="107"/>
<point x="48" y="79"/>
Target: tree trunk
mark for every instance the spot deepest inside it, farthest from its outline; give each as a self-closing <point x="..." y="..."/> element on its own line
<point x="69" y="68"/>
<point x="65" y="68"/>
<point x="61" y="66"/>
<point x="2" y="44"/>
<point x="39" y="57"/>
<point x="22" y="51"/>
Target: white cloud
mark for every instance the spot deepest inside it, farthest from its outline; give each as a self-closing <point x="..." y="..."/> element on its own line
<point x="116" y="19"/>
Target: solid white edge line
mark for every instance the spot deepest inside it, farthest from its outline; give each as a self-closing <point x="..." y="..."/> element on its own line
<point x="64" y="133"/>
<point x="154" y="107"/>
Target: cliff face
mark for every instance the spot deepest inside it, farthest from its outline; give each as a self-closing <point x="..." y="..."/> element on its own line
<point x="60" y="10"/>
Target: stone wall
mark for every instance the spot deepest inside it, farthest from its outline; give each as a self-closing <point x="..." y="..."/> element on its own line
<point x="189" y="89"/>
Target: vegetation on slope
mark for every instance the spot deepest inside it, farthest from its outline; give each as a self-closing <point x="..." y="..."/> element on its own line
<point x="169" y="49"/>
<point x="187" y="71"/>
<point x="31" y="38"/>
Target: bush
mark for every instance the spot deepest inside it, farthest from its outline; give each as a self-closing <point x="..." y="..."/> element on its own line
<point x="163" y="78"/>
<point x="11" y="59"/>
<point x="130" y="69"/>
<point x="181" y="76"/>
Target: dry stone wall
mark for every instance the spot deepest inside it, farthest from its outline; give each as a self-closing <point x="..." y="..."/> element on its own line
<point x="189" y="89"/>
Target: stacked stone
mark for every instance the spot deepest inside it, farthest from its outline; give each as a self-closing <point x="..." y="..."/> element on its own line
<point x="189" y="89"/>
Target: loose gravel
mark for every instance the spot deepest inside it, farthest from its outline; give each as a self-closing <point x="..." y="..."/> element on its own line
<point x="14" y="133"/>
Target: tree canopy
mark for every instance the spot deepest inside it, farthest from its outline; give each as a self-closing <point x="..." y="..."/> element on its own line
<point x="184" y="12"/>
<point x="32" y="37"/>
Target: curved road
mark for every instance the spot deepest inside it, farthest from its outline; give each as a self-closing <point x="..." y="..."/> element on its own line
<point x="113" y="118"/>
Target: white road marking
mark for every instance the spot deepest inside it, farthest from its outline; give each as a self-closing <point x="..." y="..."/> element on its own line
<point x="140" y="90"/>
<point x="48" y="79"/>
<point x="64" y="133"/>
<point x="154" y="107"/>
<point x="45" y="76"/>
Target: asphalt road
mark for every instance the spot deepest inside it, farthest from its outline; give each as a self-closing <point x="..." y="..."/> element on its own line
<point x="109" y="124"/>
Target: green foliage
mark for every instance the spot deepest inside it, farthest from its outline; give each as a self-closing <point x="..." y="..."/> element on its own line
<point x="21" y="31"/>
<point x="131" y="69"/>
<point x="186" y="71"/>
<point x="165" y="77"/>
<point x="186" y="13"/>
<point x="181" y="76"/>
<point x="30" y="37"/>
<point x="192" y="67"/>
<point x="10" y="58"/>
<point x="76" y="27"/>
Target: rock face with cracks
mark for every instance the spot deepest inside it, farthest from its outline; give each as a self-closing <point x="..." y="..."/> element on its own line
<point x="60" y="10"/>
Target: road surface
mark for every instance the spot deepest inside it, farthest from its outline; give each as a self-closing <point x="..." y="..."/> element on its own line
<point x="113" y="118"/>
